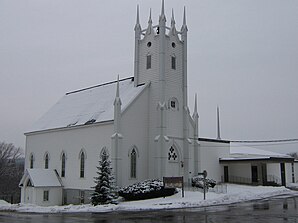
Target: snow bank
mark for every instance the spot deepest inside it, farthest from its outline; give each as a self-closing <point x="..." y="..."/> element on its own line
<point x="4" y="203"/>
<point x="235" y="193"/>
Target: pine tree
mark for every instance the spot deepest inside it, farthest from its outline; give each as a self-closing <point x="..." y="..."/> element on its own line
<point x="105" y="188"/>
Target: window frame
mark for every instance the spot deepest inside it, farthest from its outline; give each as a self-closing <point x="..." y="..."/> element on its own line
<point x="148" y="61"/>
<point x="133" y="164"/>
<point x="82" y="164"/>
<point x="173" y="62"/>
<point x="63" y="161"/>
<point x="46" y="194"/>
<point x="46" y="161"/>
<point x="31" y="160"/>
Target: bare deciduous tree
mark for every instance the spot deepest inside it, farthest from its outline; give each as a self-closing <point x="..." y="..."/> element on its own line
<point x="11" y="171"/>
<point x="295" y="155"/>
<point x="8" y="156"/>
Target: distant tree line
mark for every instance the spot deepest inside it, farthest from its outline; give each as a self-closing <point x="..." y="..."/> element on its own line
<point x="11" y="171"/>
<point x="295" y="155"/>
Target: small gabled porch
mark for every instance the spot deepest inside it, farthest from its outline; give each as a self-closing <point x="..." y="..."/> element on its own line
<point x="41" y="187"/>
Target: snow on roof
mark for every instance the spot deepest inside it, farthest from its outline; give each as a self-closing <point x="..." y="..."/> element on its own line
<point x="238" y="149"/>
<point x="42" y="178"/>
<point x="87" y="106"/>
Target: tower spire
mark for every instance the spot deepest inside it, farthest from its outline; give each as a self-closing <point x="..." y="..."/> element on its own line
<point x="138" y="33"/>
<point x="150" y="28"/>
<point x="162" y="7"/>
<point x="138" y="15"/>
<point x="162" y="14"/>
<point x="195" y="112"/>
<point x="218" y="124"/>
<point x="150" y="19"/>
<point x="173" y="28"/>
<point x="138" y="26"/>
<point x="184" y="26"/>
<point x="184" y="16"/>
<point x="117" y="100"/>
<point x="172" y="19"/>
<point x="196" y="107"/>
<point x="117" y="90"/>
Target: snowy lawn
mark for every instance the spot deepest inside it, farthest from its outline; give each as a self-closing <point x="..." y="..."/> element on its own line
<point x="235" y="193"/>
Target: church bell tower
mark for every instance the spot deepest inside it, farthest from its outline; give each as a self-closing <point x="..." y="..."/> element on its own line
<point x="161" y="60"/>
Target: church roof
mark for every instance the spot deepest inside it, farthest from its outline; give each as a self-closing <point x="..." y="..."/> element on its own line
<point x="240" y="152"/>
<point x="238" y="149"/>
<point x="87" y="106"/>
<point x="41" y="178"/>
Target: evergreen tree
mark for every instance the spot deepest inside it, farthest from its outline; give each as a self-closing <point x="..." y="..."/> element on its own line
<point x="105" y="188"/>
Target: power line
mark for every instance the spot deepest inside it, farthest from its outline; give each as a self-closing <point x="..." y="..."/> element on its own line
<point x="264" y="141"/>
<point x="251" y="145"/>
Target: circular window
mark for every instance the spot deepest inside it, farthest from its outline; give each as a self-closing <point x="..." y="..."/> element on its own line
<point x="149" y="44"/>
<point x="173" y="45"/>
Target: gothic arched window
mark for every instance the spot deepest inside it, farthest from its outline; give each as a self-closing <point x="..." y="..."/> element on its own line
<point x="133" y="163"/>
<point x="46" y="161"/>
<point x="63" y="159"/>
<point x="31" y="159"/>
<point x="172" y="155"/>
<point x="82" y="164"/>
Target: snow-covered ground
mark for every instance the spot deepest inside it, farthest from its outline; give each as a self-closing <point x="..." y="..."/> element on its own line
<point x="235" y="193"/>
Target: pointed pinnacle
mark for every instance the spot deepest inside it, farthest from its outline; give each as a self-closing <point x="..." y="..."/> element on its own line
<point x="138" y="17"/>
<point x="150" y="20"/>
<point x="162" y="7"/>
<point x="173" y="18"/>
<point x="184" y="17"/>
<point x="117" y="88"/>
<point x="196" y="107"/>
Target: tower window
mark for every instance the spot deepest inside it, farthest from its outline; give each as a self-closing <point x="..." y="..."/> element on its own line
<point x="148" y="64"/>
<point x="173" y="104"/>
<point x="149" y="44"/>
<point x="173" y="44"/>
<point x="173" y="63"/>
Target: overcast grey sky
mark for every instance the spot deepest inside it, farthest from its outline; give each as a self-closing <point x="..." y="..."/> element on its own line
<point x="243" y="56"/>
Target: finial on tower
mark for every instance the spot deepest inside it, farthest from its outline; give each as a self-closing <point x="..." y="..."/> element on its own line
<point x="138" y="15"/>
<point x="184" y="16"/>
<point x="138" y="26"/>
<point x="117" y="101"/>
<point x="172" y="19"/>
<point x="162" y="15"/>
<point x="218" y="124"/>
<point x="196" y="107"/>
<point x="117" y="90"/>
<point x="184" y="26"/>
<point x="195" y="112"/>
<point x="150" y="19"/>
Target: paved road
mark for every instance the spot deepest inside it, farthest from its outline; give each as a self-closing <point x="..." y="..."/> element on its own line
<point x="273" y="210"/>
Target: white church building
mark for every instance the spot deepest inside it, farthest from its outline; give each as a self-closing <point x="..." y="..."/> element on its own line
<point x="142" y="121"/>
